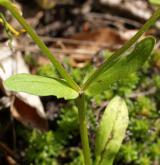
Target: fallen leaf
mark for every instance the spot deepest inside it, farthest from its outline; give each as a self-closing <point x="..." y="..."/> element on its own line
<point x="28" y="115"/>
<point x="96" y="41"/>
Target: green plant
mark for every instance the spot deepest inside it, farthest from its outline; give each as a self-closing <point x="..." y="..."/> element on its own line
<point x="112" y="127"/>
<point x="155" y="2"/>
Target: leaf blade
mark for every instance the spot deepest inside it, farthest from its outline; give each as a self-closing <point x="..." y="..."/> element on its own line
<point x="111" y="131"/>
<point x="41" y="86"/>
<point x="123" y="66"/>
<point x="117" y="136"/>
<point x="104" y="130"/>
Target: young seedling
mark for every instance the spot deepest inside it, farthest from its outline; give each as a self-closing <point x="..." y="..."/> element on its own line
<point x="112" y="127"/>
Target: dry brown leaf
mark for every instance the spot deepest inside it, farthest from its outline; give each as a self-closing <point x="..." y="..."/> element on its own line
<point x="11" y="161"/>
<point x="101" y="35"/>
<point x="27" y="115"/>
<point x="101" y="38"/>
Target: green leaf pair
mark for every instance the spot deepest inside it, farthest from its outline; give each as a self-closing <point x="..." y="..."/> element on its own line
<point x="120" y="68"/>
<point x="111" y="131"/>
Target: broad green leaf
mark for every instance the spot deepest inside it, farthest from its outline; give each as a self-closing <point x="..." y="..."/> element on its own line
<point x="123" y="67"/>
<point x="111" y="131"/>
<point x="118" y="133"/>
<point x="156" y="2"/>
<point x="105" y="126"/>
<point x="41" y="86"/>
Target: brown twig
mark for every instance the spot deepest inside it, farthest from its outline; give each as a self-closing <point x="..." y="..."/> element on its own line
<point x="56" y="50"/>
<point x="110" y="19"/>
<point x="77" y="42"/>
<point x="9" y="151"/>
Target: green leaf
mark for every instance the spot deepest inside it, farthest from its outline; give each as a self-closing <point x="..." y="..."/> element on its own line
<point x="3" y="1"/>
<point x="156" y="2"/>
<point x="111" y="131"/>
<point x="41" y="86"/>
<point x="123" y="67"/>
<point x="105" y="127"/>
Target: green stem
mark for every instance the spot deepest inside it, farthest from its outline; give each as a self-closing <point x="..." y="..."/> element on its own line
<point x="83" y="129"/>
<point x="7" y="4"/>
<point x="127" y="45"/>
